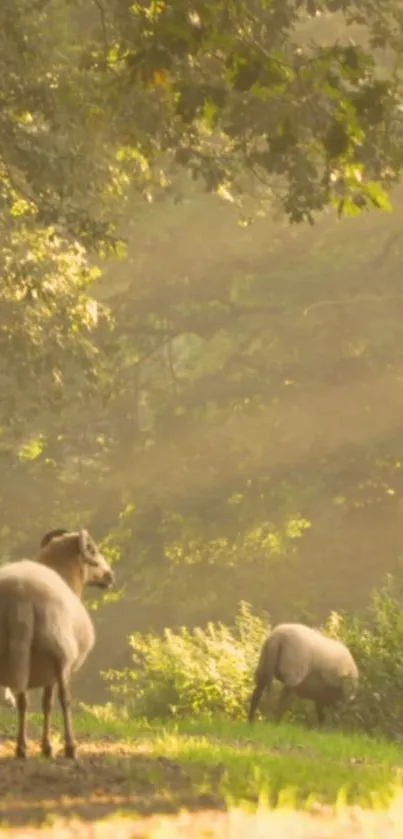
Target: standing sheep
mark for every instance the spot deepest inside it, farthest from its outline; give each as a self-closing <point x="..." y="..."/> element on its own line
<point x="46" y="632"/>
<point x="8" y="696"/>
<point x="308" y="664"/>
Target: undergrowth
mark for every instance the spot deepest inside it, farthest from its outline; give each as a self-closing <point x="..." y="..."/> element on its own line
<point x="209" y="671"/>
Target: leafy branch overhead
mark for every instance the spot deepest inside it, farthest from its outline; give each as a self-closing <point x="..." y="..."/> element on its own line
<point x="248" y="96"/>
<point x="251" y="101"/>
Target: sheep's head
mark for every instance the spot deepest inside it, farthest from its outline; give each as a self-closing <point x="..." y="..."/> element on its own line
<point x="71" y="552"/>
<point x="97" y="572"/>
<point x="349" y="687"/>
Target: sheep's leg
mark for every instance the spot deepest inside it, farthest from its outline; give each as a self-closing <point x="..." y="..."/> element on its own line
<point x="47" y="701"/>
<point x="22" y="705"/>
<point x="65" y="704"/>
<point x="320" y="712"/>
<point x="261" y="684"/>
<point x="283" y="702"/>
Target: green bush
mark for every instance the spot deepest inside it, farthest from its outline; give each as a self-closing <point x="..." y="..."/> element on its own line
<point x="376" y="642"/>
<point x="210" y="672"/>
<point x="192" y="671"/>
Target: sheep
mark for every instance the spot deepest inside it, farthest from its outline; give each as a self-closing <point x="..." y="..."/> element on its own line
<point x="309" y="665"/>
<point x="8" y="696"/>
<point x="46" y="632"/>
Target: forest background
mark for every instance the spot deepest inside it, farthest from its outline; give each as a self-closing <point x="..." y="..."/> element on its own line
<point x="201" y="303"/>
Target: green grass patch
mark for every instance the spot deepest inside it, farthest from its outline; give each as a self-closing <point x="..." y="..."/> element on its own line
<point x="245" y="763"/>
<point x="222" y="763"/>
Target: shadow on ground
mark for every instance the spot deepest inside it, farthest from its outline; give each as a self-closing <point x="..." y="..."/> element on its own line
<point x="108" y="777"/>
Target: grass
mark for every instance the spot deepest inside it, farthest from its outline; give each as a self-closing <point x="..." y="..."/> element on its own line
<point x="268" y="760"/>
<point x="129" y="768"/>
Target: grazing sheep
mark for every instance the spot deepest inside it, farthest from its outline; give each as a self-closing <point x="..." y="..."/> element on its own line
<point x="308" y="664"/>
<point x="46" y="632"/>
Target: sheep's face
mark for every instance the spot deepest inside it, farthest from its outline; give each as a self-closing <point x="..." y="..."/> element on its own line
<point x="97" y="572"/>
<point x="349" y="688"/>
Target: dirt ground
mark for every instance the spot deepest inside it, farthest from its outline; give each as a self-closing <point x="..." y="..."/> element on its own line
<point x="107" y="777"/>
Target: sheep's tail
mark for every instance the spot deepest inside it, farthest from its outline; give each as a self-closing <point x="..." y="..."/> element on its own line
<point x="9" y="698"/>
<point x="264" y="673"/>
<point x="20" y="637"/>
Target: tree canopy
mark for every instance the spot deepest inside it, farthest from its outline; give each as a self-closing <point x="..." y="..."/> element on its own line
<point x="249" y="102"/>
<point x="248" y="96"/>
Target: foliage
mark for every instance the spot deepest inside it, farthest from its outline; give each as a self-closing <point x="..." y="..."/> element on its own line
<point x="375" y="640"/>
<point x="194" y="671"/>
<point x="52" y="177"/>
<point x="252" y="104"/>
<point x="55" y="159"/>
<point x="210" y="672"/>
<point x="245" y="96"/>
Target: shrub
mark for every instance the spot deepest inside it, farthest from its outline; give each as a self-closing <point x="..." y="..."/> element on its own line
<point x="376" y="642"/>
<point x="192" y="671"/>
<point x="210" y="671"/>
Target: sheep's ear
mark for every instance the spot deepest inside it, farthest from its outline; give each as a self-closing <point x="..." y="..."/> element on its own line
<point x="51" y="534"/>
<point x="86" y="546"/>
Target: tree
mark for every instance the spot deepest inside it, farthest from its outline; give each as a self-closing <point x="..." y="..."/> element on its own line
<point x="242" y="96"/>
<point x="57" y="189"/>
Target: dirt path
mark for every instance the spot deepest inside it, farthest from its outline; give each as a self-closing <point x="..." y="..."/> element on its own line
<point x="107" y="777"/>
